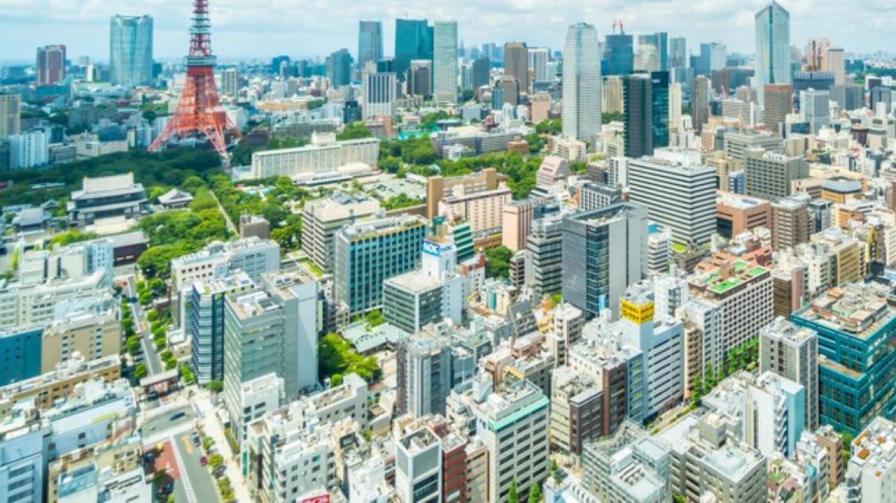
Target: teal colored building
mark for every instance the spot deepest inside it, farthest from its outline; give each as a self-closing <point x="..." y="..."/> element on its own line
<point x="370" y="252"/>
<point x="856" y="327"/>
<point x="20" y="352"/>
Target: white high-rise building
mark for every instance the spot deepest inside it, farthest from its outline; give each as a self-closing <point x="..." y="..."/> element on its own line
<point x="581" y="83"/>
<point x="28" y="150"/>
<point x="815" y="109"/>
<point x="380" y="91"/>
<point x="445" y="61"/>
<point x="678" y="191"/>
<point x="675" y="106"/>
<point x="772" y="48"/>
<point x="538" y="63"/>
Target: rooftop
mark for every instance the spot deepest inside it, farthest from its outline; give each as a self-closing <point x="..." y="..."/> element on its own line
<point x="859" y="309"/>
<point x="726" y="277"/>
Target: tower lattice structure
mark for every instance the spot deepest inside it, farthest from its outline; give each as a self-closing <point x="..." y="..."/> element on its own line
<point x="199" y="109"/>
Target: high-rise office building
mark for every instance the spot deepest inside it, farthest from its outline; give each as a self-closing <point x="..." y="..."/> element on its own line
<point x="712" y="56"/>
<point x="604" y="251"/>
<point x="659" y="108"/>
<point x="10" y="115"/>
<point x="619" y="56"/>
<point x="339" y="68"/>
<point x="880" y="98"/>
<point x="660" y="41"/>
<point x="678" y="192"/>
<point x="769" y="174"/>
<point x="516" y="63"/>
<point x="380" y="91"/>
<point x="481" y="72"/>
<point x="545" y="245"/>
<point x="848" y="97"/>
<point x="581" y="83"/>
<point x="413" y="40"/>
<point x="230" y="82"/>
<point x="420" y="78"/>
<point x="370" y="252"/>
<point x="50" y="65"/>
<point x="678" y="57"/>
<point x="445" y="61"/>
<point x="778" y="103"/>
<point x="538" y="64"/>
<point x="854" y="373"/>
<point x="791" y="222"/>
<point x="835" y="63"/>
<point x="772" y="48"/>
<point x="637" y="115"/>
<point x="370" y="42"/>
<point x="130" y="50"/>
<point x="700" y="94"/>
<point x="205" y="323"/>
<point x="815" y="109"/>
<point x="675" y="98"/>
<point x="29" y="150"/>
<point x="792" y="352"/>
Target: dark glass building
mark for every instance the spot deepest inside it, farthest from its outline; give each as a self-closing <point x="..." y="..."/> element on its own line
<point x="413" y="40"/>
<point x="619" y="57"/>
<point x="637" y="114"/>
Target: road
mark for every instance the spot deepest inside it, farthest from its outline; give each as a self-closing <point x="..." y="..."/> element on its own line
<point x="212" y="427"/>
<point x="195" y="485"/>
<point x="197" y="476"/>
<point x="226" y="216"/>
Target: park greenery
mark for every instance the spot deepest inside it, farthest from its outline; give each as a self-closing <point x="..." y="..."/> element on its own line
<point x="744" y="356"/>
<point x="336" y="357"/>
<point x="164" y="170"/>
<point x="497" y="262"/>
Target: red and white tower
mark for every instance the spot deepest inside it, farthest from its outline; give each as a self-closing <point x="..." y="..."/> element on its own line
<point x="199" y="109"/>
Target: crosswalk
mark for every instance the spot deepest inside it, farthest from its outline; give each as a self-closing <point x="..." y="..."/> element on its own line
<point x="185" y="479"/>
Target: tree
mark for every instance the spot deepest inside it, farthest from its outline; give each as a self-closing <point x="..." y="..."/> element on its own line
<point x="140" y="371"/>
<point x="217" y="386"/>
<point x="555" y="470"/>
<point x="512" y="497"/>
<point x="133" y="345"/>
<point x="354" y="131"/>
<point x="535" y="493"/>
<point x="215" y="460"/>
<point x="497" y="262"/>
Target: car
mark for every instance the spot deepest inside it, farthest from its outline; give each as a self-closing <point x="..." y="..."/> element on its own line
<point x="195" y="440"/>
<point x="219" y="471"/>
<point x="177" y="415"/>
<point x="203" y="461"/>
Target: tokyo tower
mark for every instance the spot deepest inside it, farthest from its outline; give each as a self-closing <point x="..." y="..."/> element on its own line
<point x="199" y="109"/>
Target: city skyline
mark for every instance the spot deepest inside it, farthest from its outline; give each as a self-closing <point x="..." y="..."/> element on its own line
<point x="319" y="35"/>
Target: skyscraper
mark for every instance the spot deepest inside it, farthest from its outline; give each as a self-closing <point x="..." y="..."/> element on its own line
<point x="700" y="94"/>
<point x="660" y="40"/>
<point x="10" y="114"/>
<point x="516" y="63"/>
<point x="581" y="83"/>
<point x="619" y="57"/>
<point x="674" y="106"/>
<point x="815" y="109"/>
<point x="637" y="115"/>
<point x="380" y="89"/>
<point x="481" y="72"/>
<point x="678" y="192"/>
<point x="370" y="42"/>
<point x="50" y="65"/>
<point x="445" y="61"/>
<point x="130" y="50"/>
<point x="678" y="57"/>
<point x="772" y="48"/>
<point x="230" y="82"/>
<point x="659" y="108"/>
<point x="835" y="63"/>
<point x="413" y="40"/>
<point x="339" y="68"/>
<point x="538" y="63"/>
<point x="778" y="103"/>
<point x="604" y="251"/>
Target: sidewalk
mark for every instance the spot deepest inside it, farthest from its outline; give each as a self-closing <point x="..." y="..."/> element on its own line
<point x="212" y="427"/>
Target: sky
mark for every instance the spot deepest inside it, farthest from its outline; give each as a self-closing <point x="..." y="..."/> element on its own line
<point x="309" y="28"/>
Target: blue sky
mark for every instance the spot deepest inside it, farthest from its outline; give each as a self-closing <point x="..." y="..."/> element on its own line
<point x="305" y="28"/>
